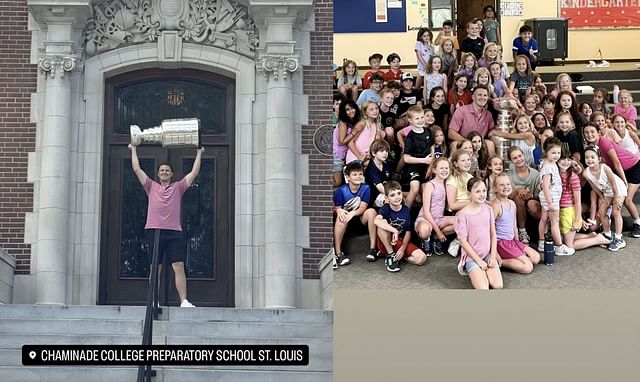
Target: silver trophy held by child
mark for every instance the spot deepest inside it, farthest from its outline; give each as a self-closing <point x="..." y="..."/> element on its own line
<point x="172" y="133"/>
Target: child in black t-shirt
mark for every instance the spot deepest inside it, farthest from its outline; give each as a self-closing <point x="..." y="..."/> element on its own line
<point x="417" y="152"/>
<point x="378" y="171"/>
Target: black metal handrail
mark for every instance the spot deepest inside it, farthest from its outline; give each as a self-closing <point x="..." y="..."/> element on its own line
<point x="153" y="310"/>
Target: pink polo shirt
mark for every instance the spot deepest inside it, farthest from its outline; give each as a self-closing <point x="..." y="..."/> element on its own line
<point x="465" y="120"/>
<point x="164" y="204"/>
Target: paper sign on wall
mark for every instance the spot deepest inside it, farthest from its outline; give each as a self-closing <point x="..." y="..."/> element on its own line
<point x="381" y="11"/>
<point x="394" y="4"/>
<point x="512" y="9"/>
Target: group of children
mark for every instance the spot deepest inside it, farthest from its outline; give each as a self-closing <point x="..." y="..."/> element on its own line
<point x="404" y="175"/>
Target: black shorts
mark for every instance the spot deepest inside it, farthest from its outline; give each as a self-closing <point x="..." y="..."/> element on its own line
<point x="172" y="244"/>
<point x="416" y="173"/>
<point x="633" y="174"/>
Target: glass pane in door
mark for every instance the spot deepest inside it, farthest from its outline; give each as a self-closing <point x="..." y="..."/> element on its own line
<point x="198" y="223"/>
<point x="134" y="261"/>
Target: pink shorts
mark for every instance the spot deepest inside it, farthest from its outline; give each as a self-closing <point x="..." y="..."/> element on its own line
<point x="510" y="249"/>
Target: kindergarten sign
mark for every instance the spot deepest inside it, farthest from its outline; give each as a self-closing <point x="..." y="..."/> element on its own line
<point x="601" y="13"/>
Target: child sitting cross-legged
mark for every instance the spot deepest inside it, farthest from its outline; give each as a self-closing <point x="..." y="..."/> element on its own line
<point x="394" y="230"/>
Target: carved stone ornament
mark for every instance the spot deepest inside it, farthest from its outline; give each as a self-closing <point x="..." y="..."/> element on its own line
<point x="323" y="140"/>
<point x="277" y="66"/>
<point x="56" y="65"/>
<point x="220" y="23"/>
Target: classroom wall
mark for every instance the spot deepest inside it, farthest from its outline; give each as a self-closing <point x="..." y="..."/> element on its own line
<point x="583" y="44"/>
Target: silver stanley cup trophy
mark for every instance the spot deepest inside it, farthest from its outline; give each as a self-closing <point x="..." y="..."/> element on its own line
<point x="504" y="124"/>
<point x="172" y="133"/>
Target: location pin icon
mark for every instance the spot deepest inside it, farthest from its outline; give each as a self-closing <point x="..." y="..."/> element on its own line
<point x="32" y="354"/>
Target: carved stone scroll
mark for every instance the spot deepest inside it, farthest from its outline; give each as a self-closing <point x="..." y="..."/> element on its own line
<point x="220" y="23"/>
<point x="56" y="65"/>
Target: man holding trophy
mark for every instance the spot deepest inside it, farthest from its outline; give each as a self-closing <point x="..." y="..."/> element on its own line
<point x="165" y="198"/>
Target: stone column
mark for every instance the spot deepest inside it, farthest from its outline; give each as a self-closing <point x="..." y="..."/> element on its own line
<point x="53" y="213"/>
<point x="278" y="63"/>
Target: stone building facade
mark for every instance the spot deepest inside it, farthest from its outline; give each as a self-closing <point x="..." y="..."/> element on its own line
<point x="84" y="70"/>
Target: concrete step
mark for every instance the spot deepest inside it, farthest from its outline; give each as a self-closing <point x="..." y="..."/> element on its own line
<point x="12" y="340"/>
<point x="70" y="326"/>
<point x="68" y="374"/>
<point x="242" y="329"/>
<point x="73" y="311"/>
<point x="171" y="313"/>
<point x="164" y="374"/>
<point x="251" y="315"/>
<point x="197" y="375"/>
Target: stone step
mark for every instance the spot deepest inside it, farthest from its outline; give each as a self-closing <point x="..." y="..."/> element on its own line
<point x="110" y="312"/>
<point x="251" y="315"/>
<point x="243" y="329"/>
<point x="68" y="373"/>
<point x="12" y="340"/>
<point x="219" y="329"/>
<point x="171" y="313"/>
<point x="70" y="326"/>
<point x="198" y="375"/>
<point x="8" y="341"/>
<point x="164" y="374"/>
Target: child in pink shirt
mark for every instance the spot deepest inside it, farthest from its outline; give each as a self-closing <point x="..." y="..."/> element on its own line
<point x="475" y="227"/>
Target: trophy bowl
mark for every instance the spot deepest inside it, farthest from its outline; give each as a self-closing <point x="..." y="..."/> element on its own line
<point x="172" y="133"/>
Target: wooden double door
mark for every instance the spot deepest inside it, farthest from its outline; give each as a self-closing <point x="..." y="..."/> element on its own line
<point x="145" y="98"/>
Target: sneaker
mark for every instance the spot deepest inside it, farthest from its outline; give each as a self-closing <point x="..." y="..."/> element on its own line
<point x="540" y="245"/>
<point x="342" y="259"/>
<point x="524" y="236"/>
<point x="563" y="250"/>
<point x="454" y="248"/>
<point x="373" y="255"/>
<point x="609" y="238"/>
<point x="391" y="263"/>
<point x="426" y="247"/>
<point x="617" y="244"/>
<point x="186" y="304"/>
<point x="437" y="247"/>
<point x="635" y="232"/>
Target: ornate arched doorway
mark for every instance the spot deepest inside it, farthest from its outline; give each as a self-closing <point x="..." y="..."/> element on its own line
<point x="145" y="98"/>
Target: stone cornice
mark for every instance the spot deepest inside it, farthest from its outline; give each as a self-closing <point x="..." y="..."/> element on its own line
<point x="76" y="12"/>
<point x="262" y="9"/>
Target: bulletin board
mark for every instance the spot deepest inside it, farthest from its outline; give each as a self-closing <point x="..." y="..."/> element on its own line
<point x="351" y="16"/>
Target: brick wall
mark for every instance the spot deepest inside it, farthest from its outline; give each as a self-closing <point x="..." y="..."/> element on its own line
<point x="316" y="197"/>
<point x="17" y="135"/>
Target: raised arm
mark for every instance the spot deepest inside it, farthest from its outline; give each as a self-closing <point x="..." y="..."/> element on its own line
<point x="195" y="170"/>
<point x="135" y="164"/>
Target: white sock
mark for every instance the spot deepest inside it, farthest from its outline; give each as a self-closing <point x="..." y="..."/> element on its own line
<point x="607" y="233"/>
<point x="618" y="236"/>
<point x="637" y="221"/>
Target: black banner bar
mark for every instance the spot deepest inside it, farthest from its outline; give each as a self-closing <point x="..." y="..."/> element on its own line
<point x="96" y="355"/>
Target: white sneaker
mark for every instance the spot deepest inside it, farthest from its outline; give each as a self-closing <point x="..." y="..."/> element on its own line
<point x="540" y="245"/>
<point x="186" y="304"/>
<point x="563" y="250"/>
<point x="524" y="236"/>
<point x="454" y="248"/>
